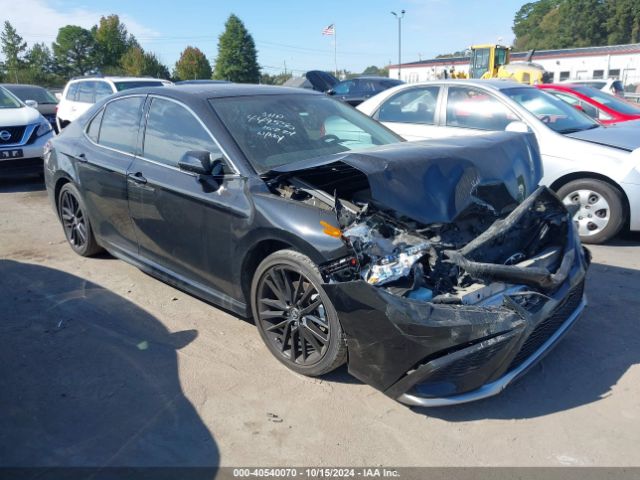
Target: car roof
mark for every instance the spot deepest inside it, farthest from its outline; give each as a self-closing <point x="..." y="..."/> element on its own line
<point x="493" y="84"/>
<point x="117" y="79"/>
<point x="218" y="90"/>
<point x="375" y="77"/>
<point x="21" y="85"/>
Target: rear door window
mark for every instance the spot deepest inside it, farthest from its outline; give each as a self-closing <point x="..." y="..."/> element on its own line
<point x="417" y="105"/>
<point x="86" y="92"/>
<point x="172" y="131"/>
<point x="120" y="122"/>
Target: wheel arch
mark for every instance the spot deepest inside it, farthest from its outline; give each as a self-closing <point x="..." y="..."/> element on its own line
<point x="60" y="182"/>
<point x="570" y="177"/>
<point x="262" y="247"/>
<point x="254" y="256"/>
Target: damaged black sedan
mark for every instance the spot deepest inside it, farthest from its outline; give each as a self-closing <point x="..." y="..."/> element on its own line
<point x="438" y="271"/>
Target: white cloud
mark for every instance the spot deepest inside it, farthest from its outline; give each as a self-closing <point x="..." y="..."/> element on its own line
<point x="39" y="20"/>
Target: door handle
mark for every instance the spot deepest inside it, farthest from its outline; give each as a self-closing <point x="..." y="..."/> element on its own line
<point x="137" y="178"/>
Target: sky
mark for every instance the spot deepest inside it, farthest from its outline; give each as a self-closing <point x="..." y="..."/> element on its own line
<point x="287" y="33"/>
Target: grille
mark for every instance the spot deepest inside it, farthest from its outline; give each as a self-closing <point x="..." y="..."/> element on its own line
<point x="15" y="132"/>
<point x="467" y="364"/>
<point x="548" y="326"/>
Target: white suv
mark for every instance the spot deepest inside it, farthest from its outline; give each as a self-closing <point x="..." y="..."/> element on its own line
<point x="80" y="93"/>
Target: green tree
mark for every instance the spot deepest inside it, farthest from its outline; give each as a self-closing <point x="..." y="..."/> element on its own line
<point x="581" y="23"/>
<point x="277" y="79"/>
<point x="373" y="70"/>
<point x="39" y="58"/>
<point x="192" y="65"/>
<point x="74" y="50"/>
<point x="13" y="48"/>
<point x="39" y="66"/>
<point x="138" y="63"/>
<point x="112" y="41"/>
<point x="623" y="22"/>
<point x="526" y="24"/>
<point x="561" y="24"/>
<point x="237" y="59"/>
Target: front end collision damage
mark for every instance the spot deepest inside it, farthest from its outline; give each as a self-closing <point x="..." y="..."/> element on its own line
<point x="450" y="302"/>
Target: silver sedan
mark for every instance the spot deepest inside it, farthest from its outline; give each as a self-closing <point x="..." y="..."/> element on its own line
<point x="596" y="168"/>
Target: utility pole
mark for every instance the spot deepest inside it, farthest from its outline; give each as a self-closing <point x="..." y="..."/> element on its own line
<point x="399" y="17"/>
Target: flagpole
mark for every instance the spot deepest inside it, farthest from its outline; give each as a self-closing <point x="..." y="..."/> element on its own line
<point x="335" y="48"/>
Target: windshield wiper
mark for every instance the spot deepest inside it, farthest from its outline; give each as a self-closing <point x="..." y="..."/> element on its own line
<point x="574" y="130"/>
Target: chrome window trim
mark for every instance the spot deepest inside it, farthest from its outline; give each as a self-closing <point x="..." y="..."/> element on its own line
<point x="236" y="172"/>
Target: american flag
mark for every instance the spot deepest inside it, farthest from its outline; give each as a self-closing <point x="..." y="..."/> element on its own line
<point x="330" y="30"/>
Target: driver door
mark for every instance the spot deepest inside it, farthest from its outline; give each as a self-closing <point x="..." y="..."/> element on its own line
<point x="182" y="224"/>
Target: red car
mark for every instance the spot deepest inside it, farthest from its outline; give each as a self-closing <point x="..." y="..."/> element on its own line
<point x="599" y="105"/>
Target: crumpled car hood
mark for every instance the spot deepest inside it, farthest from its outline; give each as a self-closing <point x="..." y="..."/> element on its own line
<point x="434" y="181"/>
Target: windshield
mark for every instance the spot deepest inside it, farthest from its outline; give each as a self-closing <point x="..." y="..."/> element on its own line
<point x="39" y="94"/>
<point x="479" y="62"/>
<point x="611" y="101"/>
<point x="7" y="100"/>
<point x="275" y="130"/>
<point x="120" y="86"/>
<point x="551" y="111"/>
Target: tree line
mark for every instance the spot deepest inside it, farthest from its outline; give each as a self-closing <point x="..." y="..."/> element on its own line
<point x="109" y="49"/>
<point x="552" y="24"/>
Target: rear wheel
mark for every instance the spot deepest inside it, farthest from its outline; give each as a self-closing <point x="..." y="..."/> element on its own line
<point x="600" y="214"/>
<point x="294" y="316"/>
<point x="75" y="221"/>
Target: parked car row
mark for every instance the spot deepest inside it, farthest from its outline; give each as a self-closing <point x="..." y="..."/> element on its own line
<point x="592" y="167"/>
<point x="353" y="91"/>
<point x="79" y="94"/>
<point x="438" y="271"/>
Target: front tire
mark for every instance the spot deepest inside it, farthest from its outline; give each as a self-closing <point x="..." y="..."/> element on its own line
<point x="601" y="212"/>
<point x="75" y="222"/>
<point x="294" y="315"/>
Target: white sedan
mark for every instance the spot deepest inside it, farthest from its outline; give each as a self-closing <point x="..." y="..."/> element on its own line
<point x="594" y="167"/>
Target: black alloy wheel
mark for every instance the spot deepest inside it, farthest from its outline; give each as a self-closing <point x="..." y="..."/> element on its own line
<point x="295" y="317"/>
<point x="75" y="222"/>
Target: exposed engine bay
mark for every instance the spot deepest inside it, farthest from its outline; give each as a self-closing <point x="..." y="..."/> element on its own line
<point x="494" y="244"/>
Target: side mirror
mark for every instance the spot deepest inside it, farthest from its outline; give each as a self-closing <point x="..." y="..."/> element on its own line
<point x="331" y="91"/>
<point x="579" y="108"/>
<point x="518" y="126"/>
<point x="31" y="103"/>
<point x="196" y="161"/>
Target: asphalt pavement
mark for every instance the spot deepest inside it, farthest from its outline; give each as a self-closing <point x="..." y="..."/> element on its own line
<point x="103" y="365"/>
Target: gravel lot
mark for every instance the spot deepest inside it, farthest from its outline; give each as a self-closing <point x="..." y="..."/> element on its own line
<point x="101" y="364"/>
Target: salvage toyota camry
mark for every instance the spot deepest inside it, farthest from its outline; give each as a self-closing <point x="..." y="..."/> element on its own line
<point x="438" y="271"/>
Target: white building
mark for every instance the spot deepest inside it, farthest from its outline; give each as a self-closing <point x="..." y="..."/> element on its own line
<point x="616" y="61"/>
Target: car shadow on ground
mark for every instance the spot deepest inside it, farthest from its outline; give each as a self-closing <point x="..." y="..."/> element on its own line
<point x="31" y="184"/>
<point x="625" y="239"/>
<point x="583" y="368"/>
<point x="89" y="379"/>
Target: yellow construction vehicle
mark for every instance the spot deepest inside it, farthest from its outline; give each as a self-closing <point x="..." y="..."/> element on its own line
<point x="493" y="61"/>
